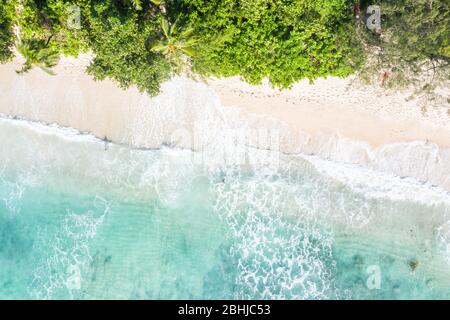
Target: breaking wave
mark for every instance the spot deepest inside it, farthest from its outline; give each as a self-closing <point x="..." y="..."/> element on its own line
<point x="281" y="211"/>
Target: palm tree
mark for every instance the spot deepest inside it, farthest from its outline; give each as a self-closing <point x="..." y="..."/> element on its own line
<point x="37" y="53"/>
<point x="138" y="4"/>
<point x="177" y="45"/>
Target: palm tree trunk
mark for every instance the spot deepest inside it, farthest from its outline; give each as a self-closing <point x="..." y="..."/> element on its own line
<point x="48" y="40"/>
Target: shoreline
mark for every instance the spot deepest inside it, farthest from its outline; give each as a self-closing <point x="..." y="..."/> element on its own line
<point x="372" y="183"/>
<point x="326" y="119"/>
<point x="376" y="222"/>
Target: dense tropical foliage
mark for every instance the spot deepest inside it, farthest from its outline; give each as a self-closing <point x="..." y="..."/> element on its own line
<point x="143" y="42"/>
<point x="37" y="53"/>
<point x="7" y="13"/>
<point x="119" y="34"/>
<point x="285" y="41"/>
<point x="413" y="46"/>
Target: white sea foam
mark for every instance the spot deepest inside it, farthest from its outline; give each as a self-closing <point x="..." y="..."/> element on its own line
<point x="378" y="184"/>
<point x="134" y="170"/>
<point x="11" y="190"/>
<point x="51" y="129"/>
<point x="252" y="198"/>
<point x="69" y="256"/>
<point x="443" y="239"/>
<point x="295" y="264"/>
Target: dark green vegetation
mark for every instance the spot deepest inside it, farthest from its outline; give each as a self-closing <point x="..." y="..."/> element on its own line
<point x="144" y="42"/>
<point x="37" y="53"/>
<point x="120" y="35"/>
<point x="7" y="11"/>
<point x="285" y="41"/>
<point x="413" y="46"/>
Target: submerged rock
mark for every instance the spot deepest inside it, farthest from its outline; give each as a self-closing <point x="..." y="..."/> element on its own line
<point x="413" y="264"/>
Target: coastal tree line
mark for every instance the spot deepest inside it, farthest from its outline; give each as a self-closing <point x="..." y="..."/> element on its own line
<point x="144" y="42"/>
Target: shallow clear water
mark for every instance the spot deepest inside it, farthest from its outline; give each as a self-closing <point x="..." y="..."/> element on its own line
<point x="81" y="221"/>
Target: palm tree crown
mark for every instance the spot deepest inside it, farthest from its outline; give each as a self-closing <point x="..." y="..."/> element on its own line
<point x="37" y="53"/>
<point x="177" y="45"/>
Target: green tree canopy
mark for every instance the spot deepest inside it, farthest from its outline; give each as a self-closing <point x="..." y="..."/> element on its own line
<point x="119" y="37"/>
<point x="37" y="53"/>
<point x="7" y="14"/>
<point x="283" y="40"/>
<point x="414" y="39"/>
<point x="42" y="19"/>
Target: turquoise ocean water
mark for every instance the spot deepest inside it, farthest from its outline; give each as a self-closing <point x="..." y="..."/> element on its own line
<point x="81" y="220"/>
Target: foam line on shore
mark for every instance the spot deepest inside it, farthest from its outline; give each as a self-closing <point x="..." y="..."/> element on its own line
<point x="363" y="179"/>
<point x="213" y="117"/>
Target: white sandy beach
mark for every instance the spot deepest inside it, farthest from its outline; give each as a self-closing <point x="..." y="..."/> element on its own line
<point x="332" y="118"/>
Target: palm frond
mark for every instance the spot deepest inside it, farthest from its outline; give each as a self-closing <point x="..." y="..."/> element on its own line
<point x="165" y="27"/>
<point x="37" y="53"/>
<point x="159" y="47"/>
<point x="188" y="51"/>
<point x="179" y="45"/>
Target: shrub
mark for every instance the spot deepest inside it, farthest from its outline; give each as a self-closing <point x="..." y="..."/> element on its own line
<point x="7" y="14"/>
